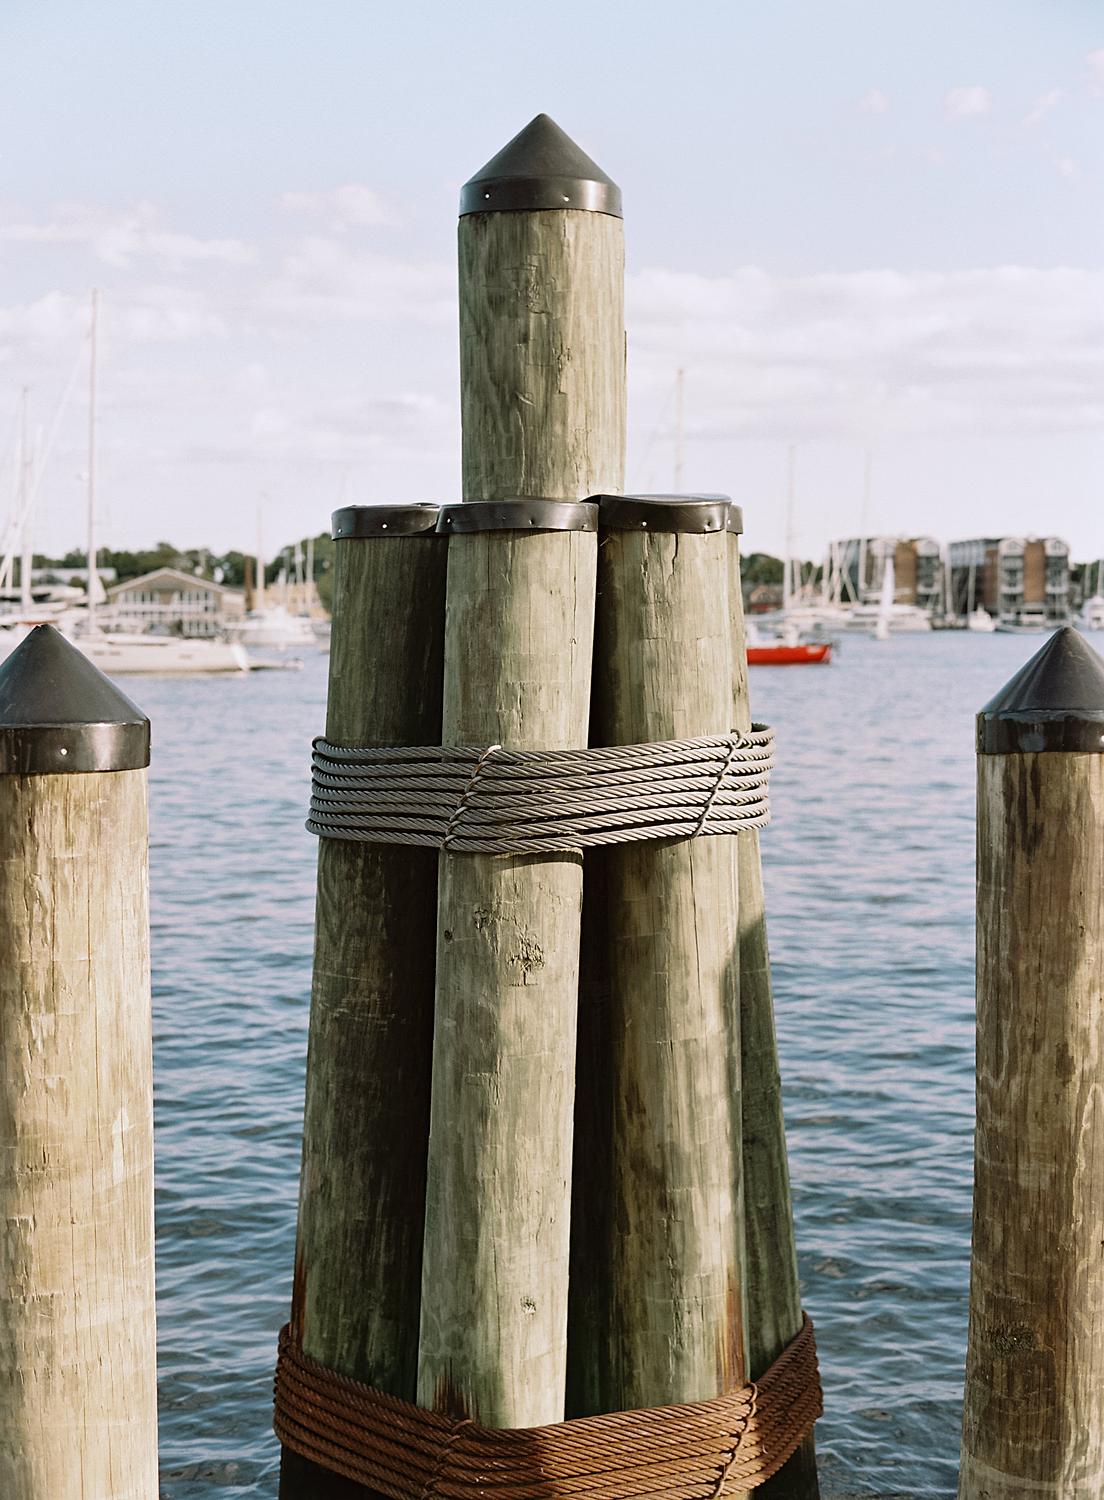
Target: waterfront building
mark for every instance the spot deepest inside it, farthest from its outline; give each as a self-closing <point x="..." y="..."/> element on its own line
<point x="763" y="598"/>
<point x="1011" y="577"/>
<point x="179" y="603"/>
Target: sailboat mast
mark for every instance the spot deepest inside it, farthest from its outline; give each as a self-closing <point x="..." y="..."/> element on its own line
<point x="259" y="591"/>
<point x="93" y="576"/>
<point x="26" y="490"/>
<point x="680" y="383"/>
<point x="788" y="564"/>
<point x="948" y="595"/>
<point x="18" y="496"/>
<point x="864" y="521"/>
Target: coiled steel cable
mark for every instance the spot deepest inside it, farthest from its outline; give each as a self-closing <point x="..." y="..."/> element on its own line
<point x="496" y="801"/>
<point x="693" y="1452"/>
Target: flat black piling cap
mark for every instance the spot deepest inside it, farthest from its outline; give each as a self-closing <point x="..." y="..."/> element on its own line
<point x="1055" y="702"/>
<point x="59" y="713"/>
<point x="690" y="513"/>
<point x="540" y="168"/>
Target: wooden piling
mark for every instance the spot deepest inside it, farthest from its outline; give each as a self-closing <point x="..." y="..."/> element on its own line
<point x="357" y="1283"/>
<point x="1033" y="1423"/>
<point x="773" y="1311"/>
<point x="659" y="1212"/>
<point x="78" y="1389"/>
<point x="543" y="404"/>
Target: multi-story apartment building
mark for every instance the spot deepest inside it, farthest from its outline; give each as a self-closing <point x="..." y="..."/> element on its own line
<point x="1011" y="577"/>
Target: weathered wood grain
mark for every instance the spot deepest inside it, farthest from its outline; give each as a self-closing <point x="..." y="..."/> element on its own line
<point x="366" y="1128"/>
<point x="542" y="354"/>
<point x="542" y="383"/>
<point x="664" y="1320"/>
<point x="494" y="1301"/>
<point x="78" y="1397"/>
<point x="1033" y="1421"/>
<point x="773" y="1306"/>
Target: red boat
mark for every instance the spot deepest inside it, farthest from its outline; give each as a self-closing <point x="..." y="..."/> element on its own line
<point x="788" y="656"/>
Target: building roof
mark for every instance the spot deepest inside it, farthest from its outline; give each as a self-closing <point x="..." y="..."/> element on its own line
<point x="174" y="577"/>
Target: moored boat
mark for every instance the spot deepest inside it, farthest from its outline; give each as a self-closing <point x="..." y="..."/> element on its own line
<point x="274" y="628"/>
<point x="1031" y="619"/>
<point x="779" y="654"/>
<point x="117" y="653"/>
<point x="1092" y="614"/>
<point x="980" y="621"/>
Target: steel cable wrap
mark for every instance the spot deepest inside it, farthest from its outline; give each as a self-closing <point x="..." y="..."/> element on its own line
<point x="695" y="1452"/>
<point x="496" y="801"/>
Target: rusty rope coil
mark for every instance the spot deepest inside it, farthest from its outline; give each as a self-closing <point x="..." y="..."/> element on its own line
<point x="696" y="1452"/>
<point x="496" y="801"/>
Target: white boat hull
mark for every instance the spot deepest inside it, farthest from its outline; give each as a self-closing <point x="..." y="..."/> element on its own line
<point x="123" y="655"/>
<point x="903" y="620"/>
<point x="981" y="621"/>
<point x="274" y="629"/>
<point x="1013" y="627"/>
<point x="1092" y="614"/>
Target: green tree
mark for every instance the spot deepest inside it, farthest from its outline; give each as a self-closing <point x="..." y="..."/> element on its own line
<point x="760" y="567"/>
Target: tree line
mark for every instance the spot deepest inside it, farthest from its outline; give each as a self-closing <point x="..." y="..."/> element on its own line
<point x="228" y="568"/>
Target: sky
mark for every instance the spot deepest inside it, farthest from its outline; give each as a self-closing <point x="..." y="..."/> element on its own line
<point x="856" y="225"/>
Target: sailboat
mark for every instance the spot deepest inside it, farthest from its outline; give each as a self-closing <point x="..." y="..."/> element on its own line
<point x="271" y="625"/>
<point x="887" y="617"/>
<point x="117" y="652"/>
<point x="806" y="611"/>
<point x="320" y="624"/>
<point x="1092" y="611"/>
<point x="885" y="603"/>
<point x="978" y="617"/>
<point x="786" y="652"/>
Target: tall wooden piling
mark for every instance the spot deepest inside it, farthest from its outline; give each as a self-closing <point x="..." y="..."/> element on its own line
<point x="366" y="1128"/>
<point x="664" y="1321"/>
<point x="542" y="357"/>
<point x="1033" y="1423"/>
<point x="773" y="1311"/>
<point x="78" y="1392"/>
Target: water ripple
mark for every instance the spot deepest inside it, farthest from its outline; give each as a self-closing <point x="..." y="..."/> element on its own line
<point x="869" y="873"/>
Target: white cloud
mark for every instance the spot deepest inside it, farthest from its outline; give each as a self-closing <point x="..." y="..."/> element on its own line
<point x="1005" y="350"/>
<point x="968" y="103"/>
<point x="46" y="326"/>
<point x="1043" y="106"/>
<point x="351" y="428"/>
<point x="1066" y="167"/>
<point x="1095" y="61"/>
<point x="874" y="102"/>
<point x="351" y="206"/>
<point x="166" y="314"/>
<point x="119" y="238"/>
<point x="323" y="278"/>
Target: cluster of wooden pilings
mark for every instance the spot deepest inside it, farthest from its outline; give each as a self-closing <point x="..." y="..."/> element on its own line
<point x="544" y="1169"/>
<point x="533" y="1186"/>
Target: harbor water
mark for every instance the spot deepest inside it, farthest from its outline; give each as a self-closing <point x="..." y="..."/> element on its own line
<point x="869" y="873"/>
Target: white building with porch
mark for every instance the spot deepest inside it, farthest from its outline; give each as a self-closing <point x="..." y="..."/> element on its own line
<point x="171" y="602"/>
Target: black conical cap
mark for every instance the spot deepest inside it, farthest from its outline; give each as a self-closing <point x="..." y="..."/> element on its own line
<point x="540" y="168"/>
<point x="1055" y="702"/>
<point x="59" y="713"/>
